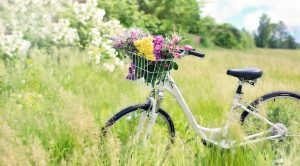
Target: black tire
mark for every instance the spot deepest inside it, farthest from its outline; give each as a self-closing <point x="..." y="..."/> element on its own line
<point x="281" y="108"/>
<point x="269" y="96"/>
<point x="142" y="107"/>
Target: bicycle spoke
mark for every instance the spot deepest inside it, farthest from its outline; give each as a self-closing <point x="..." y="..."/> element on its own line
<point x="293" y="135"/>
<point x="141" y="125"/>
<point x="284" y="112"/>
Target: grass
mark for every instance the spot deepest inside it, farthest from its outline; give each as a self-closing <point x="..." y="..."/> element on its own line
<point x="52" y="108"/>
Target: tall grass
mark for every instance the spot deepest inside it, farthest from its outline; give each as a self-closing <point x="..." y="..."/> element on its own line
<point x="53" y="106"/>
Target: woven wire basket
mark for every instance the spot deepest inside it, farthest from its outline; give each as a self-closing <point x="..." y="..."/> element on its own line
<point x="154" y="73"/>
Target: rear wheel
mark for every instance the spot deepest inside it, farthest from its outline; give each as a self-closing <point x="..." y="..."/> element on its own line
<point x="282" y="109"/>
<point x="124" y="126"/>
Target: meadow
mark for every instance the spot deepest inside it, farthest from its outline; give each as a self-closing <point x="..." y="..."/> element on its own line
<point x="52" y="108"/>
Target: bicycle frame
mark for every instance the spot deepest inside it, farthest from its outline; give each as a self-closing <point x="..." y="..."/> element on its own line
<point x="204" y="132"/>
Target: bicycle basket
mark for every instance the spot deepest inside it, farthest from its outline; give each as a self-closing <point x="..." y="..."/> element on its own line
<point x="153" y="72"/>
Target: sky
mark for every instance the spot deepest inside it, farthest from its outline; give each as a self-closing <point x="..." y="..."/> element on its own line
<point x="246" y="13"/>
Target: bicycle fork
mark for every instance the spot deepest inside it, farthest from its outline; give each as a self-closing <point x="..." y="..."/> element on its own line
<point x="154" y="105"/>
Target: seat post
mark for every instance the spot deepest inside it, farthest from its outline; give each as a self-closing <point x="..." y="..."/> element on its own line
<point x="239" y="92"/>
<point x="235" y="104"/>
<point x="240" y="87"/>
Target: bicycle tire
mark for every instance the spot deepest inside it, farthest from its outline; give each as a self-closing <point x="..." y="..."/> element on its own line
<point x="267" y="97"/>
<point x="144" y="107"/>
<point x="283" y="109"/>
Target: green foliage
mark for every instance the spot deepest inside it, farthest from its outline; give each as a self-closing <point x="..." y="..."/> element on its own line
<point x="128" y="13"/>
<point x="225" y="35"/>
<point x="291" y="42"/>
<point x="179" y="14"/>
<point x="159" y="17"/>
<point x="273" y="35"/>
<point x="228" y="36"/>
<point x="263" y="32"/>
<point x="163" y="17"/>
<point x="204" y="28"/>
<point x="123" y="10"/>
<point x="51" y="113"/>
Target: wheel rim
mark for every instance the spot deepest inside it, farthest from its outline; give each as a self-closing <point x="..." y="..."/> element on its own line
<point x="125" y="129"/>
<point x="285" y="113"/>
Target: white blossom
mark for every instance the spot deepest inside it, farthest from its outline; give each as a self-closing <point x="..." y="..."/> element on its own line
<point x="98" y="58"/>
<point x="41" y="20"/>
<point x="14" y="44"/>
<point x="109" y="67"/>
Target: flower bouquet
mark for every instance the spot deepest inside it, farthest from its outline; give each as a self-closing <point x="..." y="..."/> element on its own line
<point x="152" y="56"/>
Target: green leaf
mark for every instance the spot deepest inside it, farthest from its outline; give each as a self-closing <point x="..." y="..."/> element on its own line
<point x="175" y="66"/>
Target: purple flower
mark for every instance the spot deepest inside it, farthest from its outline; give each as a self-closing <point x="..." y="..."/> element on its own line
<point x="131" y="72"/>
<point x="158" y="42"/>
<point x="135" y="34"/>
<point x="158" y="47"/>
<point x="117" y="44"/>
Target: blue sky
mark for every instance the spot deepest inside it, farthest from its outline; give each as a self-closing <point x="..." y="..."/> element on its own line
<point x="246" y="13"/>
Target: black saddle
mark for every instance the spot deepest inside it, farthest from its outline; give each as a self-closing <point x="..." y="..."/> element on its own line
<point x="250" y="73"/>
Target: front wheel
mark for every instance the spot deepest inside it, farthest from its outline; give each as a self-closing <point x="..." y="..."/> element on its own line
<point x="126" y="127"/>
<point x="282" y="109"/>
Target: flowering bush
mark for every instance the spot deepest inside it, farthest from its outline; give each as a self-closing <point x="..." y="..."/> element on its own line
<point x="36" y="22"/>
<point x="77" y="23"/>
<point x="14" y="43"/>
<point x="152" y="56"/>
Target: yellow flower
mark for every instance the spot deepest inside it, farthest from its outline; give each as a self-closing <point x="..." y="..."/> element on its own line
<point x="145" y="47"/>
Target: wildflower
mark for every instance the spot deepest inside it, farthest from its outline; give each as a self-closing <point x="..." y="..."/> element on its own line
<point x="188" y="47"/>
<point x="175" y="39"/>
<point x="158" y="42"/>
<point x="176" y="55"/>
<point x="131" y="72"/>
<point x="98" y="57"/>
<point x="118" y="61"/>
<point x="109" y="67"/>
<point x="145" y="47"/>
<point x="98" y="15"/>
<point x="134" y="35"/>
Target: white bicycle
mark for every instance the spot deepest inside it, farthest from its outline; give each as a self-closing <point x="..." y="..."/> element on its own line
<point x="273" y="116"/>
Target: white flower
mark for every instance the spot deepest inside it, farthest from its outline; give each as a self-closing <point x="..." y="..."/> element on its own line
<point x="24" y="47"/>
<point x="98" y="57"/>
<point x="41" y="20"/>
<point x="118" y="61"/>
<point x="95" y="32"/>
<point x="109" y="67"/>
<point x="98" y="15"/>
<point x="61" y="33"/>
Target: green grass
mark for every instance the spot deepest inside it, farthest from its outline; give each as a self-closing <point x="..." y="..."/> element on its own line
<point x="52" y="108"/>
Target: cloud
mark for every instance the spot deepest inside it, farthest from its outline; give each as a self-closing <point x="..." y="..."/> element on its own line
<point x="251" y="21"/>
<point x="246" y="13"/>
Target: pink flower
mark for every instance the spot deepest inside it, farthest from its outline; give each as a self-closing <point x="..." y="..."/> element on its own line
<point x="170" y="47"/>
<point x="188" y="47"/>
<point x="175" y="39"/>
<point x="176" y="55"/>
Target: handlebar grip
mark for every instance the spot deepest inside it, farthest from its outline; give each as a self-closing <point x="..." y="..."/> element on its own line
<point x="197" y="54"/>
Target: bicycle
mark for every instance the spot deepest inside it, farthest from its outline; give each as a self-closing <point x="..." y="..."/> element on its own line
<point x="261" y="120"/>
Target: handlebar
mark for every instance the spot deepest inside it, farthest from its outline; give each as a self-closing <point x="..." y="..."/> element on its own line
<point x="197" y="54"/>
<point x="188" y="50"/>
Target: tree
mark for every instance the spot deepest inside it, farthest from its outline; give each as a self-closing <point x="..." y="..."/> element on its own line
<point x="182" y="14"/>
<point x="263" y="32"/>
<point x="290" y="42"/>
<point x="228" y="36"/>
<point x="279" y="35"/>
<point x="274" y="35"/>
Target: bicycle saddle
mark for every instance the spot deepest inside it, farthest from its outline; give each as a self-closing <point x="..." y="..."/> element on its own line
<point x="250" y="73"/>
